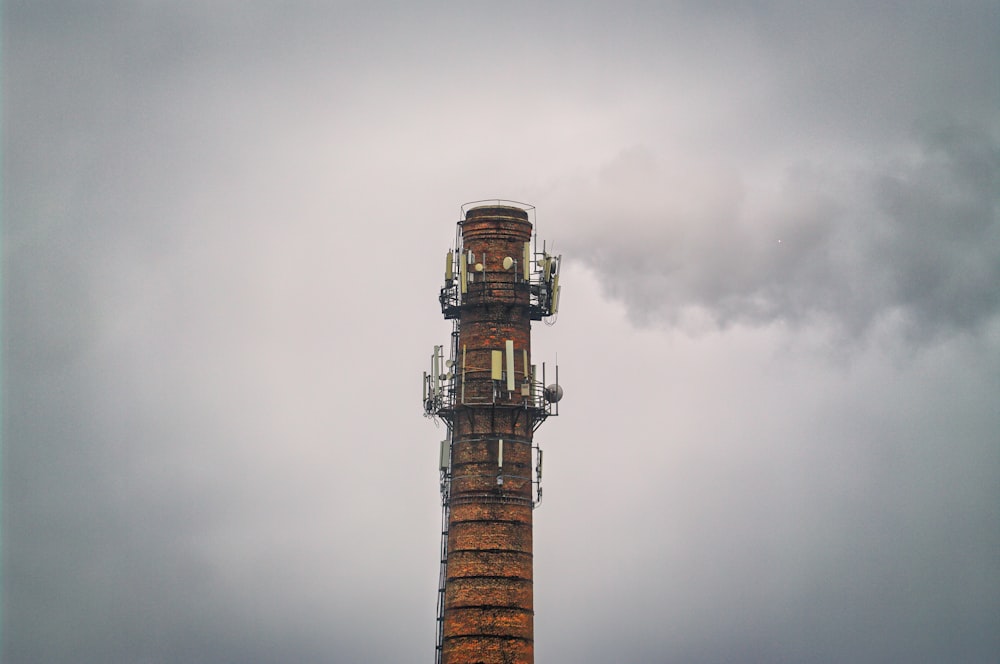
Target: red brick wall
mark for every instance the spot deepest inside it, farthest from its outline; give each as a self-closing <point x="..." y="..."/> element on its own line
<point x="488" y="594"/>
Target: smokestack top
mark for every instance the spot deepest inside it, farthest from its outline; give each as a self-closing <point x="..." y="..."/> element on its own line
<point x="494" y="211"/>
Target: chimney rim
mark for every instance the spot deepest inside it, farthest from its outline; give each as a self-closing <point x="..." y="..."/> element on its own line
<point x="497" y="207"/>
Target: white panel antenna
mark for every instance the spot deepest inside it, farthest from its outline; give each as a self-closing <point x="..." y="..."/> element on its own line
<point x="496" y="370"/>
<point x="438" y="353"/>
<point x="445" y="454"/>
<point x="500" y="462"/>
<point x="510" y="365"/>
<point x="463" y="374"/>
<point x="555" y="295"/>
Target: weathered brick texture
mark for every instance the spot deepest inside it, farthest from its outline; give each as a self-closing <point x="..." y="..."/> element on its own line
<point x="491" y="621"/>
<point x="489" y="563"/>
<point x="505" y="592"/>
<point x="488" y="650"/>
<point x="478" y="511"/>
<point x="489" y="536"/>
<point x="489" y="607"/>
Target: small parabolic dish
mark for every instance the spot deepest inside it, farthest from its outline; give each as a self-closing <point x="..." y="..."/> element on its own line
<point x="553" y="393"/>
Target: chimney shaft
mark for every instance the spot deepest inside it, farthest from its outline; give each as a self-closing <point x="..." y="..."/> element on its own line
<point x="488" y="608"/>
<point x="492" y="402"/>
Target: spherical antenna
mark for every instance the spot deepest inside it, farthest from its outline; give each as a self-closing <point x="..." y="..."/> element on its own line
<point x="553" y="393"/>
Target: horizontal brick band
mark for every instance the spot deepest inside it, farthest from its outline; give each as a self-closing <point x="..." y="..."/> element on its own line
<point x="489" y="563"/>
<point x="511" y="466"/>
<point x="488" y="436"/>
<point x="493" y="591"/>
<point x="479" y="511"/>
<point x="487" y="650"/>
<point x="486" y="450"/>
<point x="488" y="620"/>
<point x="489" y="535"/>
<point x="492" y="638"/>
<point x="483" y="483"/>
<point x="487" y="498"/>
<point x="512" y="522"/>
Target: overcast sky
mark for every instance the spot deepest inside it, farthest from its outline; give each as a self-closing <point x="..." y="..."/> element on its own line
<point x="224" y="226"/>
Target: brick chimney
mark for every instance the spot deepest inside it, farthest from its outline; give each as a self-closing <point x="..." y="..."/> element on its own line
<point x="492" y="398"/>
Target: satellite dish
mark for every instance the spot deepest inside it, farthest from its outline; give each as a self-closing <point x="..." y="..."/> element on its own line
<point x="508" y="263"/>
<point x="479" y="267"/>
<point x="553" y="393"/>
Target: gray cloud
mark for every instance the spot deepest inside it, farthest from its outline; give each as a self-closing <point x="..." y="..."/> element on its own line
<point x="910" y="240"/>
<point x="222" y="227"/>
